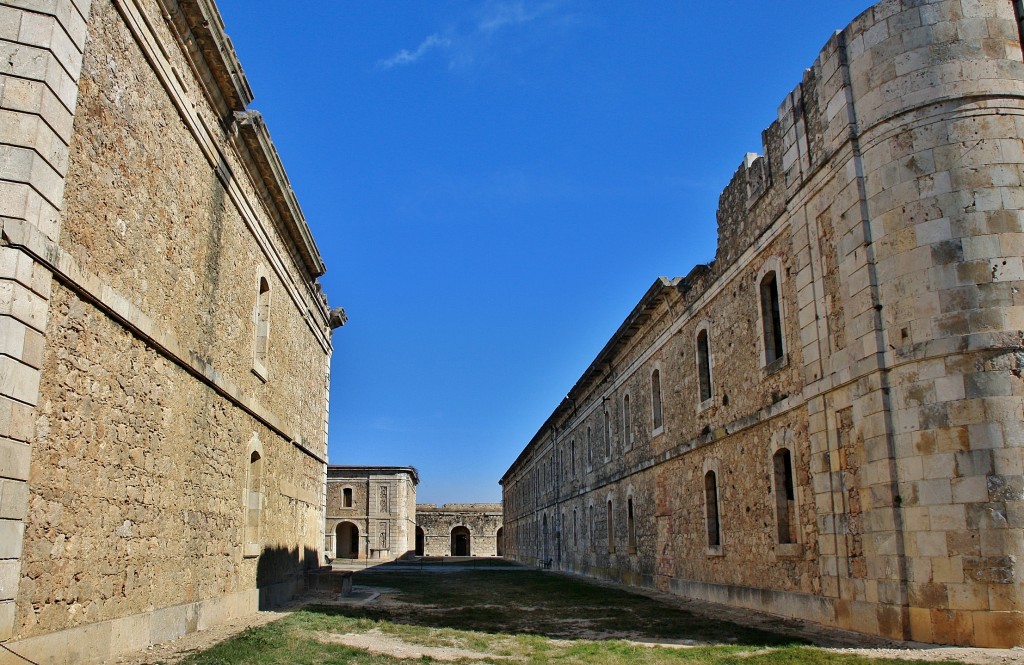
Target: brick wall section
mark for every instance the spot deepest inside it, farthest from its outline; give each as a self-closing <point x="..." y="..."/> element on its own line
<point x="888" y="202"/>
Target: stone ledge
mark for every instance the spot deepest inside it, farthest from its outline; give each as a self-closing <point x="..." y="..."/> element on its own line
<point x="90" y="287"/>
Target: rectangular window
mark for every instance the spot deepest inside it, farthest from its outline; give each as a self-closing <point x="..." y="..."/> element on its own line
<point x="771" y="318"/>
<point x="627" y="424"/>
<point x="704" y="365"/>
<point x="611" y="529"/>
<point x="630" y="527"/>
<point x="261" y="341"/>
<point x="607" y="435"/>
<point x="711" y="508"/>
<point x="656" y="399"/>
<point x="785" y="503"/>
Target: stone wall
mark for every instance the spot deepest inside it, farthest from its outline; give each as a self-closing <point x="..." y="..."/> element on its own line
<point x="164" y="418"/>
<point x="371" y="511"/>
<point x="848" y="450"/>
<point x="463" y="529"/>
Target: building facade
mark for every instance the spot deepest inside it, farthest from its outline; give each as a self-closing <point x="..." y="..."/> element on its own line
<point x="459" y="529"/>
<point x="371" y="511"/>
<point x="825" y="422"/>
<point x="165" y="343"/>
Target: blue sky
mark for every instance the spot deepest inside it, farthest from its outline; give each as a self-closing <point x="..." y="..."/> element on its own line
<point x="494" y="184"/>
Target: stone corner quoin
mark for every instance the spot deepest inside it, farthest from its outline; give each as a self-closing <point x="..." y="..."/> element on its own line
<point x="164" y="370"/>
<point x="825" y="422"/>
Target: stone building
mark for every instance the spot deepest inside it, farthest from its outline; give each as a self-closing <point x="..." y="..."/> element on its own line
<point x="165" y="343"/>
<point x="458" y="529"/>
<point x="371" y="511"/>
<point x="825" y="422"/>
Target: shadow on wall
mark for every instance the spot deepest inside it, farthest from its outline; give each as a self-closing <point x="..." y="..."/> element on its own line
<point x="279" y="573"/>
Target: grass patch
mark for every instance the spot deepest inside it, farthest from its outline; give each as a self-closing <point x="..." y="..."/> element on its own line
<point x="510" y="617"/>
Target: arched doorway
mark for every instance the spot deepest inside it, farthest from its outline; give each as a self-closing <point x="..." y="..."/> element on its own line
<point x="460" y="541"/>
<point x="346" y="541"/>
<point x="499" y="546"/>
<point x="420" y="538"/>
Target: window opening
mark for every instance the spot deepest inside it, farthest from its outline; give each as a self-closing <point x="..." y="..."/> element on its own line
<point x="611" y="530"/>
<point x="771" y="318"/>
<point x="704" y="365"/>
<point x="607" y="434"/>
<point x="630" y="527"/>
<point x="656" y="398"/>
<point x="785" y="504"/>
<point x="711" y="505"/>
<point x="262" y="325"/>
<point x="627" y="423"/>
<point x="254" y="504"/>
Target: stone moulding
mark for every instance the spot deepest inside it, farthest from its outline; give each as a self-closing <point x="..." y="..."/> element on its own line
<point x="89" y="286"/>
<point x="306" y="301"/>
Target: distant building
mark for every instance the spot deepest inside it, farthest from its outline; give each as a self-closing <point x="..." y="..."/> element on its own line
<point x="371" y="511"/>
<point x="165" y="342"/>
<point x="826" y="422"/>
<point x="459" y="529"/>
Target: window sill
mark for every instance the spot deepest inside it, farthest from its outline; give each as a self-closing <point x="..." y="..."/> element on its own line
<point x="706" y="404"/>
<point x="775" y="365"/>
<point x="658" y="431"/>
<point x="714" y="551"/>
<point x="252" y="550"/>
<point x="788" y="550"/>
<point x="260" y="371"/>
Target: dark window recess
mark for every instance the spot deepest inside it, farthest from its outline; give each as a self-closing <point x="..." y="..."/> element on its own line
<point x="704" y="365"/>
<point x="771" y="318"/>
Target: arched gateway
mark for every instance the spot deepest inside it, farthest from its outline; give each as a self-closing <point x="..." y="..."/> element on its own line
<point x="461" y="541"/>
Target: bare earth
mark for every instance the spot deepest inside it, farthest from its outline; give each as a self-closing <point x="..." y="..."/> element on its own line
<point x="378" y="643"/>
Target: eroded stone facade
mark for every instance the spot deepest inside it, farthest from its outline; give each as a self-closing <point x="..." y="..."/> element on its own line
<point x="826" y="421"/>
<point x="165" y="342"/>
<point x="371" y="511"/>
<point x="458" y="529"/>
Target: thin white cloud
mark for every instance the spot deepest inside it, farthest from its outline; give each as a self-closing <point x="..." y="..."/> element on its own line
<point x="406" y="57"/>
<point x="504" y="14"/>
<point x="478" y="35"/>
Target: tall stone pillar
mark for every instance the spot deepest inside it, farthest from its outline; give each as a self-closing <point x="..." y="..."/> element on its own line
<point x="41" y="46"/>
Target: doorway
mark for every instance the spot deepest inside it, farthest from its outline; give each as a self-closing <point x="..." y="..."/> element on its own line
<point x="347" y="541"/>
<point x="460" y="541"/>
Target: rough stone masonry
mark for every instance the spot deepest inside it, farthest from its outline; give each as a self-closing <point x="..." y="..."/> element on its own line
<point x="164" y="343"/>
<point x="825" y="422"/>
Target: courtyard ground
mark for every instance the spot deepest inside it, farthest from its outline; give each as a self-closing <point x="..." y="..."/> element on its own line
<point x="521" y="615"/>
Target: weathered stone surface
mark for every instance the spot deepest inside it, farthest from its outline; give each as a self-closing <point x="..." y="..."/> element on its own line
<point x="371" y="511"/>
<point x="888" y="206"/>
<point x="163" y="401"/>
<point x="458" y="529"/>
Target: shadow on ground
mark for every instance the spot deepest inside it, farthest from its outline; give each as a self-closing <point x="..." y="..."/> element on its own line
<point x="539" y="603"/>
